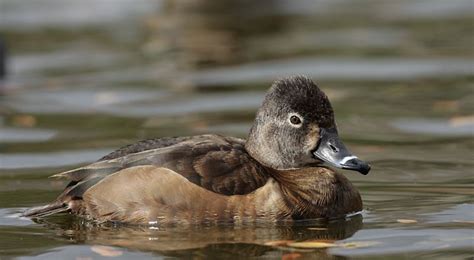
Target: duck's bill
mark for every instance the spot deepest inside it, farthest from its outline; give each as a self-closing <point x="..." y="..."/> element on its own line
<point x="332" y="151"/>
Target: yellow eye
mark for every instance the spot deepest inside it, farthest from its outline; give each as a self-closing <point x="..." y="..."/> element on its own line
<point x="295" y="120"/>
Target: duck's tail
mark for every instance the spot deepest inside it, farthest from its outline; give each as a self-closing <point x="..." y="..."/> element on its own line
<point x="43" y="211"/>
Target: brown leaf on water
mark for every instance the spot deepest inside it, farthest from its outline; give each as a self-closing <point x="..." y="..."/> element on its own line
<point x="106" y="251"/>
<point x="278" y="242"/>
<point x="291" y="256"/>
<point x="317" y="228"/>
<point x="463" y="221"/>
<point x="360" y="244"/>
<point x="313" y="244"/>
<point x="459" y="121"/>
<point x="407" y="221"/>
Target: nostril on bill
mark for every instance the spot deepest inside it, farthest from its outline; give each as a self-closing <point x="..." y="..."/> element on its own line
<point x="333" y="148"/>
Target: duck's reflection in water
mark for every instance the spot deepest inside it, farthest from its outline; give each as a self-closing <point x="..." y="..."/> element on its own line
<point x="206" y="241"/>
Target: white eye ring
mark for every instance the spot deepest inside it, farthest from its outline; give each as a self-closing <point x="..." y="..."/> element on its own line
<point x="295" y="120"/>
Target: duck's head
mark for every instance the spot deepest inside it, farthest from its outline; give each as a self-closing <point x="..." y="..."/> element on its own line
<point x="295" y="128"/>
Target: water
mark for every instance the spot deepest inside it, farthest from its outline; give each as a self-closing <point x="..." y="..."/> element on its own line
<point x="82" y="83"/>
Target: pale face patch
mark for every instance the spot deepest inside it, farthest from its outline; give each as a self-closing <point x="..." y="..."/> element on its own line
<point x="312" y="137"/>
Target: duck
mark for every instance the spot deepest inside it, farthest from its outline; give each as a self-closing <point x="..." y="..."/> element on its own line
<point x="284" y="171"/>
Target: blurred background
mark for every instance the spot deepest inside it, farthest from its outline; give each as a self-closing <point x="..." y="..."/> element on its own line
<point x="79" y="79"/>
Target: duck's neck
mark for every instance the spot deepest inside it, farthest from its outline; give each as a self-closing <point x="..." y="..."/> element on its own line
<point x="265" y="152"/>
<point x="317" y="192"/>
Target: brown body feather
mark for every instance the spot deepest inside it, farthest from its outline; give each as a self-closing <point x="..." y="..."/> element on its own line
<point x="150" y="194"/>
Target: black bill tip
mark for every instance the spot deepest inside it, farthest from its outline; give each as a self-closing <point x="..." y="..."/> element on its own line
<point x="357" y="165"/>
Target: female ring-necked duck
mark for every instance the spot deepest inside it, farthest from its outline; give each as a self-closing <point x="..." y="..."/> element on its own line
<point x="276" y="174"/>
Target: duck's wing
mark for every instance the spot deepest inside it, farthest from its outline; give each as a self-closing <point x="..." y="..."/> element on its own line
<point x="216" y="163"/>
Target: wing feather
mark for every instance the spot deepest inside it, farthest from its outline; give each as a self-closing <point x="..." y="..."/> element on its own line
<point x="215" y="163"/>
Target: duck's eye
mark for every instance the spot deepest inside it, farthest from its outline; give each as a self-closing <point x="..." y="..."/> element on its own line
<point x="295" y="120"/>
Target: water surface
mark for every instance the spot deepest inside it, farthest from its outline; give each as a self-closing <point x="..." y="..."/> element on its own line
<point x="82" y="83"/>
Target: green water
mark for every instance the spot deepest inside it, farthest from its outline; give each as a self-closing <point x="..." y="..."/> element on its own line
<point x="89" y="77"/>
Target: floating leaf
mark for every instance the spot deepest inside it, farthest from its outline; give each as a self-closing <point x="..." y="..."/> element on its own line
<point x="407" y="221"/>
<point x="464" y="221"/>
<point x="361" y="244"/>
<point x="313" y="244"/>
<point x="279" y="242"/>
<point x="106" y="251"/>
<point x="462" y="121"/>
<point x="330" y="243"/>
<point x="317" y="228"/>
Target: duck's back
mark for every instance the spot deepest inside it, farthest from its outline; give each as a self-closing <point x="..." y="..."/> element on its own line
<point x="217" y="163"/>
